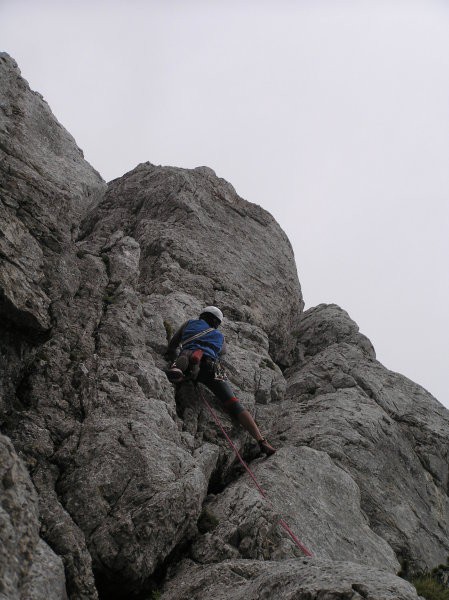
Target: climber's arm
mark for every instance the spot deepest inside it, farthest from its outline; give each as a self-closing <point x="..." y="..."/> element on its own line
<point x="170" y="353"/>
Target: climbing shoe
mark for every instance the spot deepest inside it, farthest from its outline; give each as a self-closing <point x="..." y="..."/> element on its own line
<point x="175" y="375"/>
<point x="265" y="447"/>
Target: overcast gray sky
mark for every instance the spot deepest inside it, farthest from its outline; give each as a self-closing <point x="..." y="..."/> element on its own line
<point x="333" y="115"/>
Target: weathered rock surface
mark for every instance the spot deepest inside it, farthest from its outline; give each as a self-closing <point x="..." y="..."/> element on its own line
<point x="120" y="479"/>
<point x="46" y="188"/>
<point x="149" y="493"/>
<point x="130" y="477"/>
<point x="46" y="579"/>
<point x="299" y="579"/>
<point x="387" y="432"/>
<point x="319" y="501"/>
<point x="27" y="564"/>
<point x="374" y="493"/>
<point x="18" y="521"/>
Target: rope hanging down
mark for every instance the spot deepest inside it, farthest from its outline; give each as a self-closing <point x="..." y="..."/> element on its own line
<point x="262" y="492"/>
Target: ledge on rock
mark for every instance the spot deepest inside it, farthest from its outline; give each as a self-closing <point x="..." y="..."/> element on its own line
<point x="305" y="579"/>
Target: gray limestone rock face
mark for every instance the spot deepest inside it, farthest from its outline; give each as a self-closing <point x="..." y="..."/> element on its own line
<point x="320" y="502"/>
<point x="193" y="231"/>
<point x="19" y="524"/>
<point x="131" y="475"/>
<point x="29" y="570"/>
<point x="387" y="432"/>
<point x="46" y="187"/>
<point x="306" y="579"/>
<point x="376" y="492"/>
<point x="121" y="467"/>
<point x="46" y="579"/>
<point x="158" y="454"/>
<point x="326" y="325"/>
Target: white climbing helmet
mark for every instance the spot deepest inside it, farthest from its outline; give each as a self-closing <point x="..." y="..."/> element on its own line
<point x="213" y="310"/>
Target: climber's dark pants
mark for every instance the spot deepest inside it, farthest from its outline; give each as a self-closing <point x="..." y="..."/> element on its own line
<point x="221" y="389"/>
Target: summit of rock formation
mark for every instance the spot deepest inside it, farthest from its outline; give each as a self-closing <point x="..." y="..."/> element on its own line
<point x="114" y="484"/>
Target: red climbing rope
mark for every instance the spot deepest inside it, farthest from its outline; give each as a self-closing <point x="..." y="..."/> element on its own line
<point x="262" y="492"/>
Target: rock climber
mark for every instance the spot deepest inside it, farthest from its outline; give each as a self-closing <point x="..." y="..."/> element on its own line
<point x="202" y="345"/>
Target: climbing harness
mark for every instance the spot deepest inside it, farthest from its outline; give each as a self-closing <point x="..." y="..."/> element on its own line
<point x="215" y="368"/>
<point x="177" y="372"/>
<point x="262" y="492"/>
<point x="187" y="367"/>
<point x="219" y="372"/>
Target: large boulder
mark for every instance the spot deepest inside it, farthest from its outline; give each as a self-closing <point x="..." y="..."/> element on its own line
<point x="299" y="579"/>
<point x="320" y="502"/>
<point x="387" y="432"/>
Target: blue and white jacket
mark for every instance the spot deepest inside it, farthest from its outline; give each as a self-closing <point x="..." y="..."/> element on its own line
<point x="212" y="343"/>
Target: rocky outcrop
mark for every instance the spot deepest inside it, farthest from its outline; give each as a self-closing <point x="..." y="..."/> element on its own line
<point x="132" y="248"/>
<point x="86" y="402"/>
<point x="18" y="521"/>
<point x="46" y="579"/>
<point x="387" y="432"/>
<point x="299" y="579"/>
<point x="129" y="477"/>
<point x="362" y="467"/>
<point x="46" y="188"/>
<point x="319" y="500"/>
<point x="27" y="565"/>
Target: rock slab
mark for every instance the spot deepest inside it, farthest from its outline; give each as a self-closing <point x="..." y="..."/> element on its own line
<point x="286" y="580"/>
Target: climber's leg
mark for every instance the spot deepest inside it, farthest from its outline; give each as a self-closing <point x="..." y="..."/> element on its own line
<point x="247" y="422"/>
<point x="232" y="405"/>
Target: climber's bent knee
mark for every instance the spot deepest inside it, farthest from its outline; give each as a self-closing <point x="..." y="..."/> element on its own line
<point x="233" y="406"/>
<point x="182" y="362"/>
<point x="224" y="393"/>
